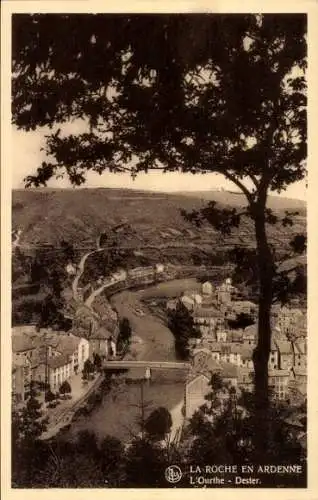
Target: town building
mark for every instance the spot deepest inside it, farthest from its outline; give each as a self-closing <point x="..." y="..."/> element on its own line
<point x="221" y="335"/>
<point x="229" y="373"/>
<point x="187" y="302"/>
<point x="300" y="375"/>
<point x="207" y="288"/>
<point x="98" y="342"/>
<point x="55" y="371"/>
<point x="171" y="305"/>
<point x="246" y="378"/>
<point x="250" y="335"/>
<point x="21" y="377"/>
<point x="23" y="345"/>
<point x="297" y="391"/>
<point x="292" y="321"/>
<point x="159" y="268"/>
<point x="300" y="354"/>
<point x="207" y="316"/>
<point x="197" y="387"/>
<point x="223" y="293"/>
<point x="278" y="381"/>
<point x="244" y="307"/>
<point x="230" y="353"/>
<point x="246" y="352"/>
<point x="273" y="360"/>
<point x="285" y="354"/>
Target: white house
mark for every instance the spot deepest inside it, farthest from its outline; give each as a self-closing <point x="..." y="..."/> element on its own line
<point x="196" y="390"/>
<point x="207" y="288"/>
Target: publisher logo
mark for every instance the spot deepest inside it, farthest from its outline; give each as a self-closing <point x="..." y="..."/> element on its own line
<point x="173" y="474"/>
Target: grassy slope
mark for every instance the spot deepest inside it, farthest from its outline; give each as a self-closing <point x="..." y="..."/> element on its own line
<point x="48" y="215"/>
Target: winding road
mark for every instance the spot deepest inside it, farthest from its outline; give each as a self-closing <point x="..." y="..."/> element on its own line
<point x="80" y="271"/>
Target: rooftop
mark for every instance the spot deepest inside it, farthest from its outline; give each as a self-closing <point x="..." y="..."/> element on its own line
<point x="19" y="361"/>
<point x="22" y="343"/>
<point x="58" y="361"/>
<point x="229" y="370"/>
<point x="284" y="346"/>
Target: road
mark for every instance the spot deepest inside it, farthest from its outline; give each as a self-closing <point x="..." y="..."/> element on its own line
<point x="80" y="270"/>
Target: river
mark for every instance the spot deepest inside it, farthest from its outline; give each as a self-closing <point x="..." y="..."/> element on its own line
<point x="120" y="410"/>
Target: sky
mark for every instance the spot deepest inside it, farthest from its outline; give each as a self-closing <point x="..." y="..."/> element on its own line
<point x="27" y="156"/>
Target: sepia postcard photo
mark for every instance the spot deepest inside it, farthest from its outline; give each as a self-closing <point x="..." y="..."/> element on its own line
<point x="156" y="314"/>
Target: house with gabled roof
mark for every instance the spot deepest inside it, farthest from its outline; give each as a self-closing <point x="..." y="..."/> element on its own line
<point x="285" y="354"/>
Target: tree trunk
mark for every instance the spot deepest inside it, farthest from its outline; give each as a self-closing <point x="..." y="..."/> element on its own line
<point x="262" y="350"/>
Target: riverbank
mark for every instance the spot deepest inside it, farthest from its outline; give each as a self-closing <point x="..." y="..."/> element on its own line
<point x="118" y="412"/>
<point x="65" y="414"/>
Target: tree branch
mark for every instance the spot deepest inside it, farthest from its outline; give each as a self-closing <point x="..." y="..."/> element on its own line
<point x="235" y="180"/>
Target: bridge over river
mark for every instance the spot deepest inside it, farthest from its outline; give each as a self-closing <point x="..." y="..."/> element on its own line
<point x="163" y="365"/>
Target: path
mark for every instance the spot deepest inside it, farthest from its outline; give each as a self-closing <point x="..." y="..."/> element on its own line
<point x="80" y="271"/>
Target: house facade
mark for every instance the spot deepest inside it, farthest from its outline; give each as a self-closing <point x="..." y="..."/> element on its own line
<point x="285" y="354"/>
<point x="195" y="391"/>
<point x="278" y="382"/>
<point x="21" y="378"/>
<point x="59" y="369"/>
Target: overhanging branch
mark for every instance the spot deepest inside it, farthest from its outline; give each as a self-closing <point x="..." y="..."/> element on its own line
<point x="235" y="180"/>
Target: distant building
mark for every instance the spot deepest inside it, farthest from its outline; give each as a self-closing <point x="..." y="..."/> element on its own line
<point x="223" y="294"/>
<point x="300" y="375"/>
<point x="159" y="268"/>
<point x="60" y="369"/>
<point x="171" y="305"/>
<point x="247" y="356"/>
<point x="229" y="373"/>
<point x="273" y="361"/>
<point x="207" y="288"/>
<point x="292" y="321"/>
<point x="23" y="345"/>
<point x="188" y="302"/>
<point x="244" y="307"/>
<point x="285" y="354"/>
<point x="98" y="342"/>
<point x="221" y="335"/>
<point x="112" y="350"/>
<point x="250" y="334"/>
<point x="231" y="353"/>
<point x="297" y="391"/>
<point x="300" y="354"/>
<point x="120" y="275"/>
<point x="207" y="316"/>
<point x="278" y="381"/>
<point x="246" y="378"/>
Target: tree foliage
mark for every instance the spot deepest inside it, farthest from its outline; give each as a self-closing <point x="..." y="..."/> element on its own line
<point x="65" y="388"/>
<point x="181" y="324"/>
<point x="206" y="93"/>
<point x="158" y="424"/>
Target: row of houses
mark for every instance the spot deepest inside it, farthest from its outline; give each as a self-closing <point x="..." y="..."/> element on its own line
<point x="284" y="384"/>
<point x="45" y="357"/>
<point x="230" y="351"/>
